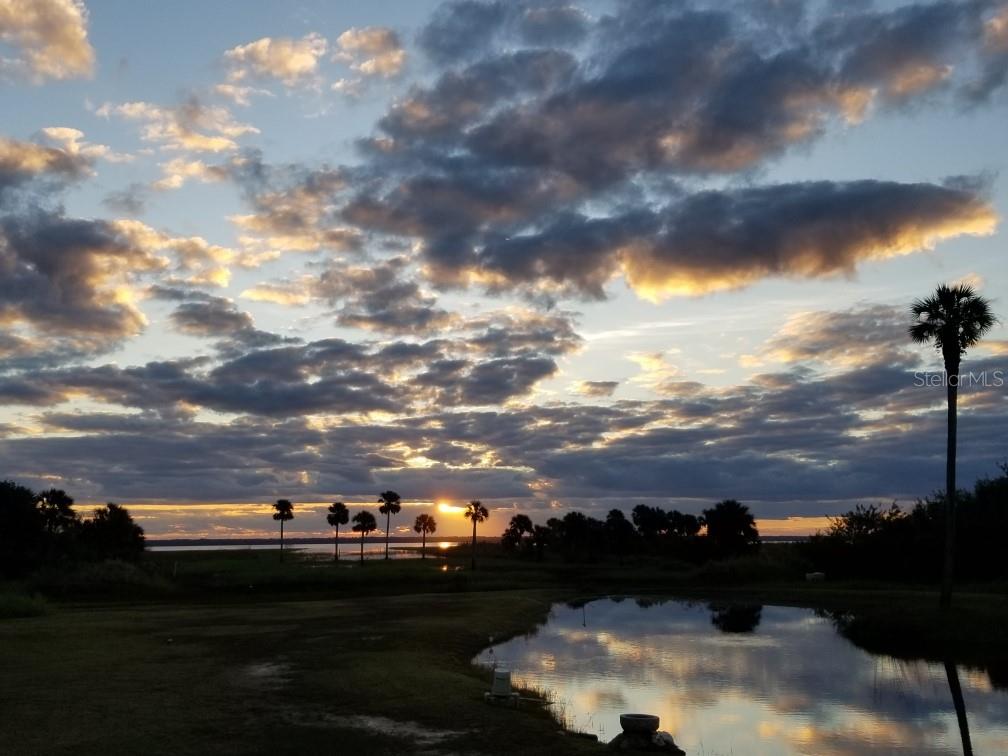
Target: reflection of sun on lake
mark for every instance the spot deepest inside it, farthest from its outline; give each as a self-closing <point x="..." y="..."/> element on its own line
<point x="763" y="681"/>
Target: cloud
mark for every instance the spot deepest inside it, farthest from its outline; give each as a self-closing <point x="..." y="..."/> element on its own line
<point x="293" y="62"/>
<point x="461" y="97"/>
<point x="23" y="163"/>
<point x="461" y="29"/>
<point x="206" y="316"/>
<point x="555" y="170"/>
<point x="553" y="24"/>
<point x="73" y="143"/>
<point x="377" y="297"/>
<point x="706" y="241"/>
<point x="785" y="442"/>
<point x="372" y="51"/>
<point x="65" y="277"/>
<point x="719" y="240"/>
<point x="129" y="201"/>
<point x="179" y="170"/>
<point x="596" y="389"/>
<point x="191" y="125"/>
<point x="855" y="338"/>
<point x="240" y="95"/>
<point x="295" y="209"/>
<point x="494" y="358"/>
<point x="50" y="37"/>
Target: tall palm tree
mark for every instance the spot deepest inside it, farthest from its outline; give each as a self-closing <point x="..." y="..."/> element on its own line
<point x="424" y="524"/>
<point x="364" y="523"/>
<point x="390" y="505"/>
<point x="476" y="512"/>
<point x="284" y="512"/>
<point x="954" y="319"/>
<point x="338" y="515"/>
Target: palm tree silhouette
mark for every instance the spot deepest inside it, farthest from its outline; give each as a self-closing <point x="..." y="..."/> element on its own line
<point x="954" y="318"/>
<point x="284" y="511"/>
<point x="476" y="512"/>
<point x="364" y="523"/>
<point x="731" y="528"/>
<point x="338" y="515"/>
<point x="390" y="505"/>
<point x="424" y="524"/>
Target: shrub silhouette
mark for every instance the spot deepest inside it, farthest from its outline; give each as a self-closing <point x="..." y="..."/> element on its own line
<point x="111" y="533"/>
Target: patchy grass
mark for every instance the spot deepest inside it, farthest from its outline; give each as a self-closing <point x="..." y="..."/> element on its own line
<point x="387" y="674"/>
<point x="15" y="604"/>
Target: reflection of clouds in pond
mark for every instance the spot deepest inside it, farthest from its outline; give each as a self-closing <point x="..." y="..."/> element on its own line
<point x="791" y="684"/>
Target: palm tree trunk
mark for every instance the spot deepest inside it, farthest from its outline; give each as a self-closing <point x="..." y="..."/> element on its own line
<point x="472" y="566"/>
<point x="423" y="546"/>
<point x="281" y="540"/>
<point x="362" y="547"/>
<point x="388" y="521"/>
<point x="335" y="546"/>
<point x="952" y="376"/>
<point x="960" y="707"/>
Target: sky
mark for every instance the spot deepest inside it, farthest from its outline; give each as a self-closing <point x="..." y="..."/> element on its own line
<point x="548" y="255"/>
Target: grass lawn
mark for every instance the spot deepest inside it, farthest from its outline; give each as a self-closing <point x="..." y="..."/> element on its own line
<point x="231" y="652"/>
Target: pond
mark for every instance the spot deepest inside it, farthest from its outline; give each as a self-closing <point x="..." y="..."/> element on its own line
<point x="747" y="680"/>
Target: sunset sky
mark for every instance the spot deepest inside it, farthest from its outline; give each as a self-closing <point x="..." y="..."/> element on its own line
<point x="546" y="255"/>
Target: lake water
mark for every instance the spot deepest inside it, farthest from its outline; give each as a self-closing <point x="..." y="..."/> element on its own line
<point x="347" y="549"/>
<point x="749" y="681"/>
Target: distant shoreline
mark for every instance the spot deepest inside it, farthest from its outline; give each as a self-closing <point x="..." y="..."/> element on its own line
<point x="300" y="541"/>
<point x="154" y="542"/>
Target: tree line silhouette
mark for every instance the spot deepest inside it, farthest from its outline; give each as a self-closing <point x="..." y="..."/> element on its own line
<point x="729" y="530"/>
<point x="43" y="528"/>
<point x="906" y="544"/>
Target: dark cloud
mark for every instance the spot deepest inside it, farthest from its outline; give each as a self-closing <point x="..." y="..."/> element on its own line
<point x="557" y="24"/>
<point x="204" y="315"/>
<point x="253" y="373"/>
<point x="461" y="29"/>
<point x="465" y="96"/>
<point x="129" y="201"/>
<point x="64" y="276"/>
<point x="727" y="239"/>
<point x="547" y="170"/>
<point x="787" y="441"/>
<point x="377" y="297"/>
<point x="597" y="389"/>
<point x="904" y="51"/>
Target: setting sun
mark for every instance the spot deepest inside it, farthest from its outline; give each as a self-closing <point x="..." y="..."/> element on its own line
<point x="449" y="508"/>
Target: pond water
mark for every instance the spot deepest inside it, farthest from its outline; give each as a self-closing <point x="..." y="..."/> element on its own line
<point x="747" y="680"/>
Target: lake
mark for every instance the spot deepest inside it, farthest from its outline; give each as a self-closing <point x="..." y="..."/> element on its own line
<point x="751" y="680"/>
<point x="347" y="549"/>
